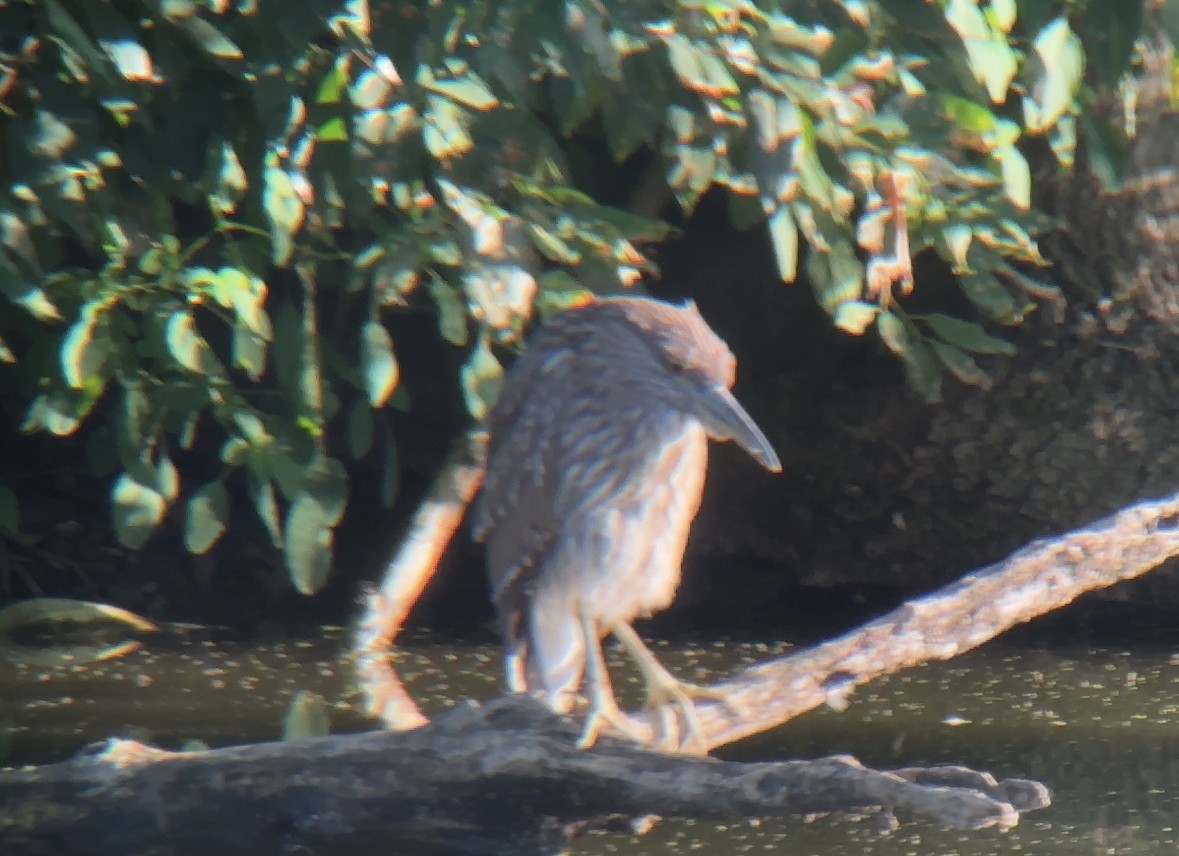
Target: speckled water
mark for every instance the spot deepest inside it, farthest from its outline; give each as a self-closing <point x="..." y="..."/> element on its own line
<point x="1099" y="726"/>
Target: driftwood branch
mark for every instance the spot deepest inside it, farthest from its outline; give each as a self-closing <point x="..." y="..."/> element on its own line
<point x="503" y="778"/>
<point x="1037" y="579"/>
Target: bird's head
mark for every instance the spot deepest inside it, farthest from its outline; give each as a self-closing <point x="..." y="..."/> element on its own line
<point x="689" y="367"/>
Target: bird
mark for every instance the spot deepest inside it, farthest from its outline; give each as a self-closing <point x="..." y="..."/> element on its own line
<point x="595" y="468"/>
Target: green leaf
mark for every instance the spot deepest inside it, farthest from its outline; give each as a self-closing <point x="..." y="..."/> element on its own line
<point x="249" y="351"/>
<point x="136" y="510"/>
<point x="208" y="38"/>
<point x="836" y="276"/>
<point x="445" y="128"/>
<point x="452" y="314"/>
<point x="57" y="412"/>
<point x="1062" y="66"/>
<point x="467" y="90"/>
<point x="922" y="369"/>
<point x="892" y="331"/>
<point x="968" y="115"/>
<point x="1017" y="177"/>
<point x="129" y="57"/>
<point x="988" y="294"/>
<point x="958" y="237"/>
<point x="284" y="211"/>
<point x="58" y="610"/>
<point x="966" y="334"/>
<point x="557" y="291"/>
<point x="360" y="429"/>
<point x="961" y="365"/>
<point x="167" y="479"/>
<point x="992" y="61"/>
<point x="307" y="544"/>
<point x="784" y="237"/>
<point x="378" y="363"/>
<point x="855" y="316"/>
<point x="187" y="346"/>
<point x="84" y="348"/>
<point x="265" y="504"/>
<point x="685" y="62"/>
<point x="1002" y="14"/>
<point x="326" y="481"/>
<point x="481" y="377"/>
<point x="208" y="512"/>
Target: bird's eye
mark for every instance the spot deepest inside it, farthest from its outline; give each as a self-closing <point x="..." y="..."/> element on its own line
<point x="674" y="366"/>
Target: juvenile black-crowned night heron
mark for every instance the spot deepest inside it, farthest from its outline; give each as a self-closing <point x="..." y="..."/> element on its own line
<point x="595" y="470"/>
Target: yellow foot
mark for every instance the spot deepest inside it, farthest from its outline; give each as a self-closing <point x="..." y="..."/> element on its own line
<point x="603" y="713"/>
<point x="664" y="691"/>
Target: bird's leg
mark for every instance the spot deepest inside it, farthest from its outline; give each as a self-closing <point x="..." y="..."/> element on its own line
<point x="603" y="709"/>
<point x="664" y="688"/>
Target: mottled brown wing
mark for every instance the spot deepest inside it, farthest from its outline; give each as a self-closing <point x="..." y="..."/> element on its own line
<point x="515" y="512"/>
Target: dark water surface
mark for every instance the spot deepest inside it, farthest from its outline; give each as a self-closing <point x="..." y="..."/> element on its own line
<point x="1099" y="726"/>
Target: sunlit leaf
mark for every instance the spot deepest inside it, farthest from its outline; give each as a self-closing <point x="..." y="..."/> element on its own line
<point x="84" y="348"/>
<point x="378" y="363"/>
<point x="55" y="412"/>
<point x="207" y="517"/>
<point x="187" y="346"/>
<point x="445" y="128"/>
<point x="967" y="115"/>
<point x="167" y="479"/>
<point x="41" y="610"/>
<point x="1062" y="67"/>
<point x="129" y="57"/>
<point x="137" y="511"/>
<point x="452" y="314"/>
<point x="481" y="378"/>
<point x="958" y="237"/>
<point x="467" y="90"/>
<point x="265" y="505"/>
<point x="284" y="210"/>
<point x="559" y="291"/>
<point x="855" y="316"/>
<point x="1017" y="177"/>
<point x="784" y="238"/>
<point x="992" y="61"/>
<point x="837" y="276"/>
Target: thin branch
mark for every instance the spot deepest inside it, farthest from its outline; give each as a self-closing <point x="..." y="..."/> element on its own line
<point x="385" y="609"/>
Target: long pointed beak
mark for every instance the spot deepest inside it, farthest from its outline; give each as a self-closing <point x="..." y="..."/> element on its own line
<point x="724" y="418"/>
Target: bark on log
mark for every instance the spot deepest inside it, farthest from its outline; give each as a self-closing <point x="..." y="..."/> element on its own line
<point x="503" y="778"/>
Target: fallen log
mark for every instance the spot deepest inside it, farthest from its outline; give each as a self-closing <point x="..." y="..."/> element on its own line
<point x="505" y="777"/>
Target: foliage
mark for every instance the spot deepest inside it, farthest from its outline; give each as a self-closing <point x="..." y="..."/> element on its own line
<point x="208" y="206"/>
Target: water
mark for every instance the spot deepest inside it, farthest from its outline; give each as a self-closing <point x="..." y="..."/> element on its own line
<point x="1099" y="726"/>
